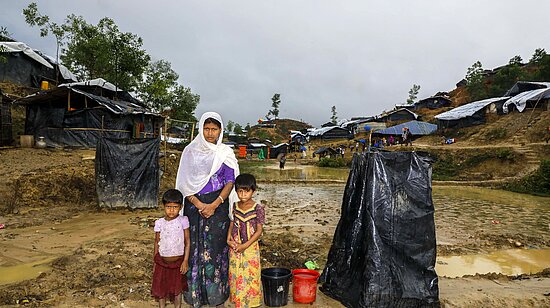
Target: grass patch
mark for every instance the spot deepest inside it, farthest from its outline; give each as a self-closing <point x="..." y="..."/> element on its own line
<point x="496" y="133"/>
<point x="537" y="183"/>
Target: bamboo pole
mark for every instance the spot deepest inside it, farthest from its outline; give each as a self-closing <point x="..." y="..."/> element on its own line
<point x="165" y="141"/>
<point x="69" y="101"/>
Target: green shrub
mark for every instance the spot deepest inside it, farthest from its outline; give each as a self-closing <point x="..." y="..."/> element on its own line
<point x="445" y="168"/>
<point x="506" y="154"/>
<point x="537" y="183"/>
<point x="331" y="162"/>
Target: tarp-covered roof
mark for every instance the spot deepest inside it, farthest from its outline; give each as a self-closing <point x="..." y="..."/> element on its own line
<point x="321" y="131"/>
<point x="115" y="106"/>
<point x="385" y="114"/>
<point x="415" y="127"/>
<point x="325" y="149"/>
<point x="22" y="47"/>
<point x="521" y="99"/>
<point x="98" y="82"/>
<point x="468" y="110"/>
<point x="523" y="86"/>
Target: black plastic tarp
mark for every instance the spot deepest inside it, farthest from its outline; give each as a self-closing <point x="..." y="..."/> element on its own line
<point x="127" y="172"/>
<point x="384" y="248"/>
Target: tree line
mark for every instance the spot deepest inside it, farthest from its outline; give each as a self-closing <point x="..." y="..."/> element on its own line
<point x="102" y="50"/>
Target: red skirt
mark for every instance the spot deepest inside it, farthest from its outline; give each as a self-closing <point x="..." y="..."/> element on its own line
<point x="168" y="282"/>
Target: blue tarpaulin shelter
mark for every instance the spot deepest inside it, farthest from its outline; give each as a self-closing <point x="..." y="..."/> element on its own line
<point x="416" y="128"/>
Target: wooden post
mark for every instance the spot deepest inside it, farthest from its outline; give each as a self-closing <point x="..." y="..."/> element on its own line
<point x="192" y="130"/>
<point x="102" y="117"/>
<point x="69" y="100"/>
<point x="165" y="141"/>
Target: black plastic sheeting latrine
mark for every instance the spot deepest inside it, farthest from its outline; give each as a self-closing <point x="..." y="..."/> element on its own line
<point x="384" y="248"/>
<point x="127" y="172"/>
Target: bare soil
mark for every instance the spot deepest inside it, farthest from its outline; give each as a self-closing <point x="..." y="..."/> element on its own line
<point x="104" y="258"/>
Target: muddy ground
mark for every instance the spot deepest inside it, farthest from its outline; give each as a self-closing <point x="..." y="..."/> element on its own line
<point x="85" y="256"/>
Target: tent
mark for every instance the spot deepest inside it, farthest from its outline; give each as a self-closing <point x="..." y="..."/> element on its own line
<point x="325" y="151"/>
<point x="333" y="132"/>
<point x="383" y="252"/>
<point x="277" y="150"/>
<point x="433" y="102"/>
<point x="402" y="114"/>
<point x="524" y="86"/>
<point x="526" y="99"/>
<point x="467" y="115"/>
<point x="77" y="115"/>
<point x="28" y="67"/>
<point x="417" y="128"/>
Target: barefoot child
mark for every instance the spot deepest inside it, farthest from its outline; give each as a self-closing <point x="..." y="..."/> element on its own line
<point x="171" y="251"/>
<point x="244" y="252"/>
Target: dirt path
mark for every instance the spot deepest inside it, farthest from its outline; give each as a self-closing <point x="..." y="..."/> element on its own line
<point x="82" y="257"/>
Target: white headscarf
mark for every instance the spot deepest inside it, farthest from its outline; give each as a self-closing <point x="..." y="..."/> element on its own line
<point x="201" y="159"/>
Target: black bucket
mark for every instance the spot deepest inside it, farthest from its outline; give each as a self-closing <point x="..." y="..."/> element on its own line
<point x="275" y="283"/>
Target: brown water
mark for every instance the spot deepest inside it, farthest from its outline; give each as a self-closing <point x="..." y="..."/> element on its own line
<point x="507" y="262"/>
<point x="25" y="271"/>
<point x="293" y="172"/>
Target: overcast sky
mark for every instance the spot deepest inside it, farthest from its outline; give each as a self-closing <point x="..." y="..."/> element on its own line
<point x="360" y="56"/>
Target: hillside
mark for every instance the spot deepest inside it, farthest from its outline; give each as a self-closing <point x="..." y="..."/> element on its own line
<point x="280" y="132"/>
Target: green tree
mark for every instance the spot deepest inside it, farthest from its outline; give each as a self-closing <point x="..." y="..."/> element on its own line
<point x="103" y="51"/>
<point x="506" y="77"/>
<point x="93" y="51"/>
<point x="161" y="91"/>
<point x="474" y="81"/>
<point x="413" y="94"/>
<point x="34" y="18"/>
<point x="247" y="128"/>
<point x="333" y="118"/>
<point x="275" y="102"/>
<point x="538" y="55"/>
<point x="230" y="125"/>
<point x="238" y="129"/>
<point x="4" y="36"/>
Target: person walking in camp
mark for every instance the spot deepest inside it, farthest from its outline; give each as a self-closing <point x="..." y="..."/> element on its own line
<point x="205" y="176"/>
<point x="242" y="238"/>
<point x="282" y="161"/>
<point x="171" y="252"/>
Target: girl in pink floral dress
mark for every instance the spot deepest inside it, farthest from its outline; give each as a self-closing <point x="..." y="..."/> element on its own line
<point x="242" y="238"/>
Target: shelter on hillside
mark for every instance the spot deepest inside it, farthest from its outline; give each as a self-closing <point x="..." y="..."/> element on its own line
<point x="469" y="114"/>
<point x="433" y="102"/>
<point x="416" y="128"/>
<point x="325" y="151"/>
<point x="6" y="136"/>
<point x="398" y="115"/>
<point x="328" y="124"/>
<point x="333" y="132"/>
<point x="78" y="114"/>
<point x="278" y="150"/>
<point x="29" y="67"/>
<point x="524" y="86"/>
<point x="528" y="99"/>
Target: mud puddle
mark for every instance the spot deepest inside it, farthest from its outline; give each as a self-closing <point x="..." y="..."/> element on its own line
<point x="508" y="262"/>
<point x="294" y="172"/>
<point x="21" y="272"/>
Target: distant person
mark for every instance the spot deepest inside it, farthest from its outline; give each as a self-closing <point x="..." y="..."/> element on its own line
<point x="282" y="162"/>
<point x="242" y="239"/>
<point x="406" y="136"/>
<point x="391" y="140"/>
<point x="171" y="252"/>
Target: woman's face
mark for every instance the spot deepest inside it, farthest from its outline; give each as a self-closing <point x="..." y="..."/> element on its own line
<point x="211" y="132"/>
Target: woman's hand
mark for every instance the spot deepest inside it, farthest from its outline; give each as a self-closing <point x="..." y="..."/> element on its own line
<point x="232" y="244"/>
<point x="208" y="210"/>
<point x="241" y="248"/>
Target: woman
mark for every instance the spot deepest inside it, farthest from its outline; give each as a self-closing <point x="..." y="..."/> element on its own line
<point x="206" y="174"/>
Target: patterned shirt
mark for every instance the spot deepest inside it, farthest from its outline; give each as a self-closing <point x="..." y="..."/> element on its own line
<point x="171" y="235"/>
<point x="219" y="179"/>
<point x="245" y="223"/>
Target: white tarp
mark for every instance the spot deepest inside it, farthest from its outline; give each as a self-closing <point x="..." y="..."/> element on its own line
<point x="100" y="82"/>
<point x="65" y="73"/>
<point x="521" y="99"/>
<point x="468" y="110"/>
<point x="320" y="131"/>
<point x="22" y="47"/>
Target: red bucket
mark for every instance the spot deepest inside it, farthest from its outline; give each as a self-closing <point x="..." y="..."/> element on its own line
<point x="304" y="285"/>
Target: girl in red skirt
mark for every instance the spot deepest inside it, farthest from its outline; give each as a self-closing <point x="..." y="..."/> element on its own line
<point x="171" y="251"/>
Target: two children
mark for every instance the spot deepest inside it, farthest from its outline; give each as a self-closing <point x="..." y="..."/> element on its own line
<point x="172" y="248"/>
